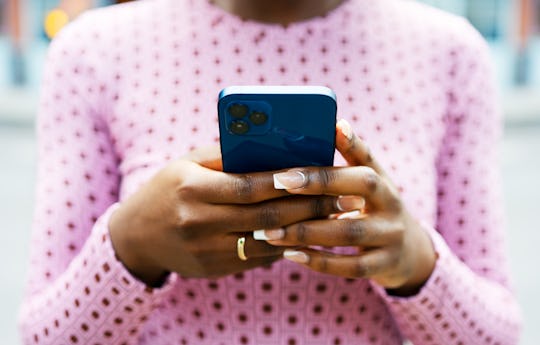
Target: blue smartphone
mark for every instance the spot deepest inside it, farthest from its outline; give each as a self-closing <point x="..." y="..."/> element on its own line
<point x="266" y="128"/>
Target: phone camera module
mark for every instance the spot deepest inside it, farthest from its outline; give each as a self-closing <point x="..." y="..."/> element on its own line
<point x="238" y="110"/>
<point x="239" y="127"/>
<point x="247" y="117"/>
<point x="258" y="118"/>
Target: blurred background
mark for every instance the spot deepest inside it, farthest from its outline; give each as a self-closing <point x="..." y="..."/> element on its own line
<point x="510" y="26"/>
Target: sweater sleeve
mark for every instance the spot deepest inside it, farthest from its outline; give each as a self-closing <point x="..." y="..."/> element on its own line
<point x="468" y="298"/>
<point x="77" y="290"/>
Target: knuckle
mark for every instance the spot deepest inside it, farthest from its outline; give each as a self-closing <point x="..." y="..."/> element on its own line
<point x="319" y="207"/>
<point x="185" y="189"/>
<point x="270" y="217"/>
<point x="324" y="177"/>
<point x="301" y="230"/>
<point x="361" y="270"/>
<point x="371" y="180"/>
<point x="322" y="264"/>
<point x="243" y="186"/>
<point x="355" y="232"/>
<point x="180" y="217"/>
<point x="187" y="224"/>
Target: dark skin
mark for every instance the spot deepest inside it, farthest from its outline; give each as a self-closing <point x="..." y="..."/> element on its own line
<point x="188" y="218"/>
<point x="393" y="248"/>
<point x="282" y="12"/>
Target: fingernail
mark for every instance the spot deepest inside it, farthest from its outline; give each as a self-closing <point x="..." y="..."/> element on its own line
<point x="349" y="202"/>
<point x="296" y="256"/>
<point x="268" y="235"/>
<point x="289" y="180"/>
<point x="345" y="128"/>
<point x="351" y="215"/>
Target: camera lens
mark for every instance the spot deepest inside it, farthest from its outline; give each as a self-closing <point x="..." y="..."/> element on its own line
<point x="239" y="127"/>
<point x="238" y="110"/>
<point x="258" y="118"/>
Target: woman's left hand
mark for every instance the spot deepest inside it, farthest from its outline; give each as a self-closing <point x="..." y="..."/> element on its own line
<point x="393" y="249"/>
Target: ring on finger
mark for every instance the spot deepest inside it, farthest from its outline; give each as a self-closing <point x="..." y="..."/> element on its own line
<point x="240" y="248"/>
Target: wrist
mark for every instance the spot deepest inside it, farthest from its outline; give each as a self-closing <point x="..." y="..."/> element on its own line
<point x="423" y="263"/>
<point x="129" y="247"/>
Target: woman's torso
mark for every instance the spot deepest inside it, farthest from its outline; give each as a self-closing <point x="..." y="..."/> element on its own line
<point x="163" y="63"/>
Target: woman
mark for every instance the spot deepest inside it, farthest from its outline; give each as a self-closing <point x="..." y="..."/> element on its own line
<point x="136" y="240"/>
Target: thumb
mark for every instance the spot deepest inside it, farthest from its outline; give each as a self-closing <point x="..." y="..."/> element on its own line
<point x="353" y="149"/>
<point x="208" y="157"/>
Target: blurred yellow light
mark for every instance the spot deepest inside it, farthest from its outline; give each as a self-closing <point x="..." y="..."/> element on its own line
<point x="55" y="21"/>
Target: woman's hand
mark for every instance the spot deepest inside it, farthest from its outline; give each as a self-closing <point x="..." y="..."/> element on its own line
<point x="188" y="218"/>
<point x="393" y="249"/>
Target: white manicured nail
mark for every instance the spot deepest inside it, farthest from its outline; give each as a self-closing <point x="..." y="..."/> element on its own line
<point x="259" y="235"/>
<point x="296" y="256"/>
<point x="346" y="203"/>
<point x="268" y="235"/>
<point x="345" y="128"/>
<point x="289" y="180"/>
<point x="277" y="184"/>
<point x="350" y="215"/>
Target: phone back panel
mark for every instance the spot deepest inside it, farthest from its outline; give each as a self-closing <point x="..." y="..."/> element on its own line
<point x="276" y="127"/>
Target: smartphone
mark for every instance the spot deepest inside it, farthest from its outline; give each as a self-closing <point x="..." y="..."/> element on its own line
<point x="266" y="128"/>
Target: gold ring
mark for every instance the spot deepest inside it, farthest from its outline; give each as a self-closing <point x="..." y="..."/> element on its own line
<point x="240" y="243"/>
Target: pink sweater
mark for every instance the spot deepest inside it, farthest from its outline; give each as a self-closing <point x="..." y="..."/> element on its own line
<point x="129" y="88"/>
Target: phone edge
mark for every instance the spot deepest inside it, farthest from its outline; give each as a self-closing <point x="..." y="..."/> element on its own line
<point x="277" y="89"/>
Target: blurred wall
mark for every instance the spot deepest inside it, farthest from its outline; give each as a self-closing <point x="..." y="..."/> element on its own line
<point x="510" y="26"/>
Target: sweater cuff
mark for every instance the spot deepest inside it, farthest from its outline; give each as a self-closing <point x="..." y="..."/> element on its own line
<point x="97" y="291"/>
<point x="116" y="269"/>
<point x="433" y="295"/>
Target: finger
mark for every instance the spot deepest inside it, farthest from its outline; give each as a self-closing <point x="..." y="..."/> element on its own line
<point x="267" y="215"/>
<point x="256" y="262"/>
<point x="209" y="157"/>
<point x="220" y="267"/>
<point x="358" y="180"/>
<point x="366" y="232"/>
<point x="366" y="265"/>
<point x="353" y="149"/>
<point x="251" y="248"/>
<point x="223" y="188"/>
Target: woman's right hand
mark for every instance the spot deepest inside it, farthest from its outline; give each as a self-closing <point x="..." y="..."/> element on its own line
<point x="188" y="218"/>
